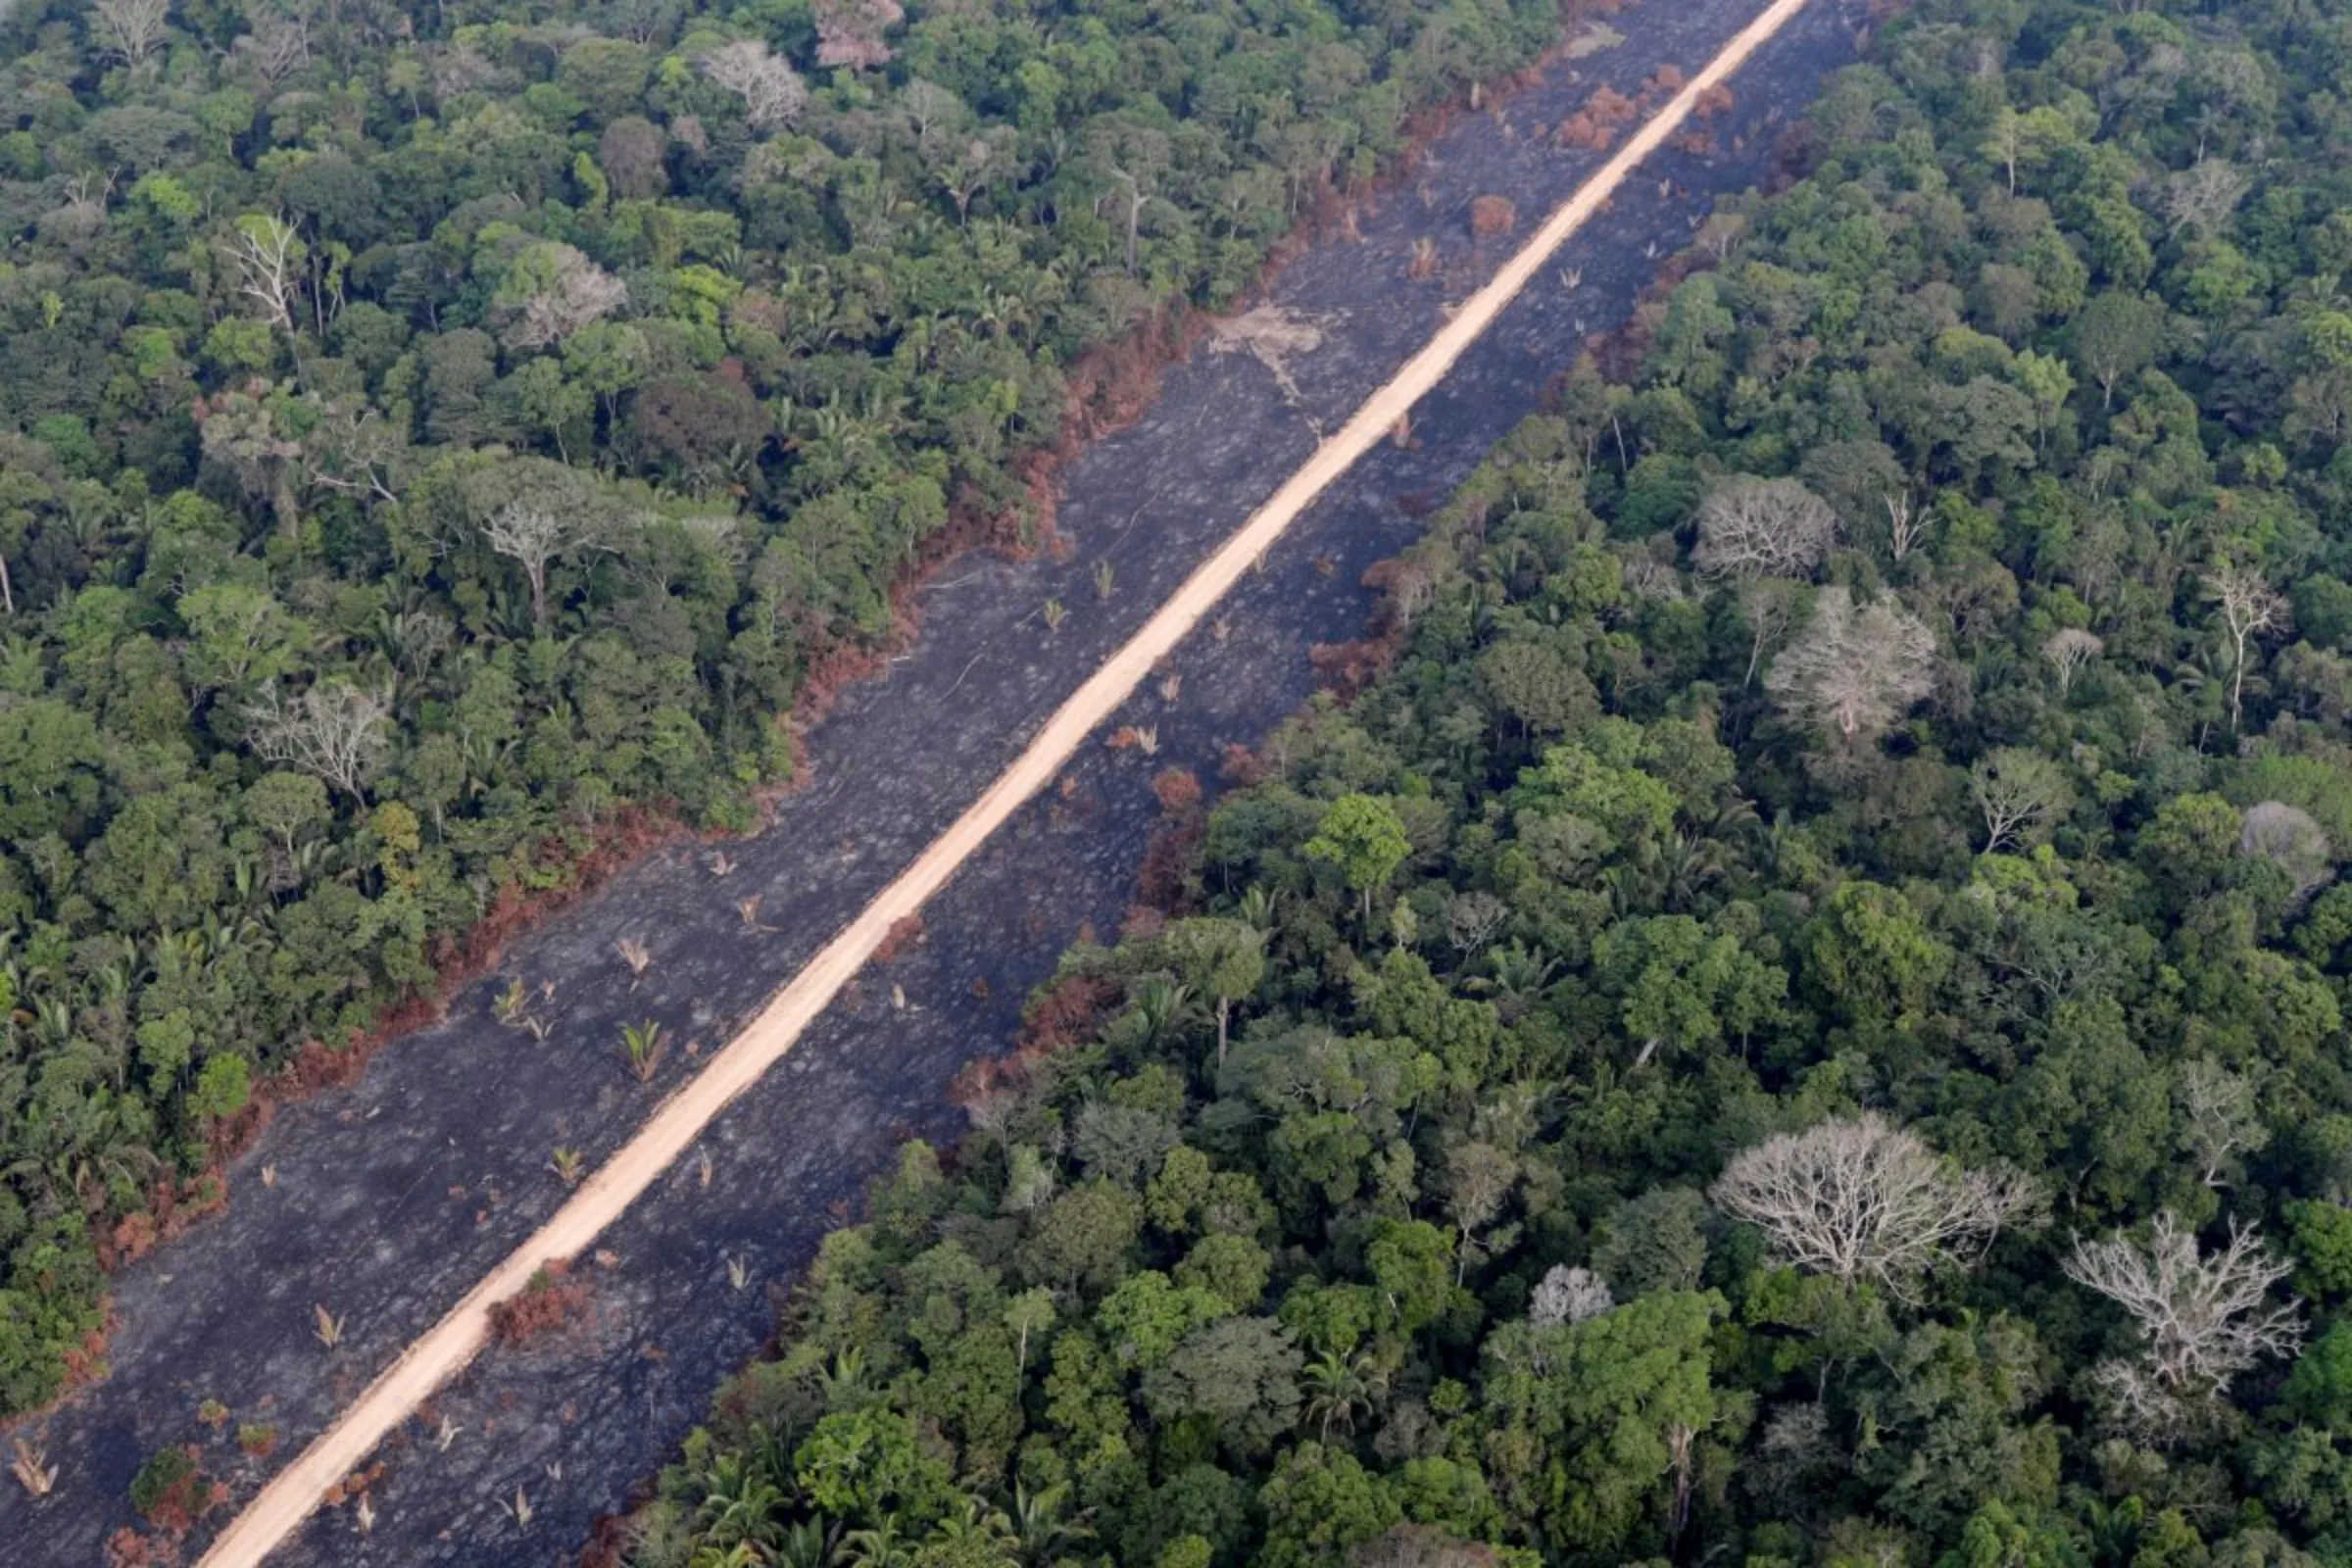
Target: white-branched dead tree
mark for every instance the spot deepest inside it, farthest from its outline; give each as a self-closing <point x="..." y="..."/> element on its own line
<point x="2249" y="609"/>
<point x="2287" y="836"/>
<point x="129" y="29"/>
<point x="1906" y="522"/>
<point x="849" y="33"/>
<point x="268" y="255"/>
<point x="334" y="731"/>
<point x="2217" y="1118"/>
<point x="1566" y="1295"/>
<point x="1769" y="605"/>
<point x="2203" y="195"/>
<point x="772" y="92"/>
<point x="1864" y="1202"/>
<point x="565" y="291"/>
<point x="2068" y="651"/>
<point x="533" y="536"/>
<point x="1854" y="670"/>
<point x="2203" y="1318"/>
<point x="1751" y="527"/>
<point x="2017" y="788"/>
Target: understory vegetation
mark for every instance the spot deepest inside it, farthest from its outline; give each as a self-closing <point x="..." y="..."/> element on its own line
<point x="1802" y="1021"/>
<point x="430" y="434"/>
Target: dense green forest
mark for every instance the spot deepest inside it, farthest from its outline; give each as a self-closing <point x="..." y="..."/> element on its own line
<point x="429" y="433"/>
<point x="1802" y="1022"/>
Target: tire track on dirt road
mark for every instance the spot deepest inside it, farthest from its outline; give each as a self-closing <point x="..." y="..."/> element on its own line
<point x="289" y="1496"/>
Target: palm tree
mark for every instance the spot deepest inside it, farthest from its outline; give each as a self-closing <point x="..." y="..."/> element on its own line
<point x="1038" y="1525"/>
<point x="882" y="1547"/>
<point x="1164" y="1006"/>
<point x="979" y="1533"/>
<point x="1520" y="974"/>
<point x="844" y="1381"/>
<point x="739" y="1504"/>
<point x="1335" y="1390"/>
<point x="807" y="1545"/>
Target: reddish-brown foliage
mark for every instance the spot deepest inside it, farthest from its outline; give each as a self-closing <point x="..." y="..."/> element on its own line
<point x="903" y="933"/>
<point x="1065" y="1013"/>
<point x="1178" y="791"/>
<point x="352" y="1485"/>
<point x="1713" y="101"/>
<point x="1593" y="127"/>
<point x="186" y="1499"/>
<point x="127" y="1548"/>
<point x="1667" y="78"/>
<point x="1493" y="214"/>
<point x="543" y="1306"/>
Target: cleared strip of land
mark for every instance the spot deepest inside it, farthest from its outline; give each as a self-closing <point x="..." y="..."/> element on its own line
<point x="442" y="1352"/>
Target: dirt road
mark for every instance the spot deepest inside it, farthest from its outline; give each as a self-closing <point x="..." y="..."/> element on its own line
<point x="393" y="1196"/>
<point x="602" y="1198"/>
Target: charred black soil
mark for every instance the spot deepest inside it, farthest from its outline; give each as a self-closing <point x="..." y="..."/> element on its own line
<point x="381" y="1201"/>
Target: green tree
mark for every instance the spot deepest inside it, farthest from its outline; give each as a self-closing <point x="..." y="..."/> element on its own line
<point x="1364" y="839"/>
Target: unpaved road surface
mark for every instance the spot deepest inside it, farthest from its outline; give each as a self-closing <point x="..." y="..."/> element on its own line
<point x="395" y="1197"/>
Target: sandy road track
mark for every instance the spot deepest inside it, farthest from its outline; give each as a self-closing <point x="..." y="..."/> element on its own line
<point x="282" y="1505"/>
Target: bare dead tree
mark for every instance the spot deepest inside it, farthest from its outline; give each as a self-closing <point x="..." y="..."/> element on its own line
<point x="355" y="450"/>
<point x="2017" y="788"/>
<point x="849" y="33"/>
<point x="1473" y="918"/>
<point x="129" y="28"/>
<point x="1862" y="1200"/>
<point x="1855" y="671"/>
<point x="2203" y="1317"/>
<point x="1769" y="605"/>
<point x="1479" y="1178"/>
<point x="333" y="731"/>
<point x="2068" y="651"/>
<point x="772" y="92"/>
<point x="981" y="160"/>
<point x="2216" y="1117"/>
<point x="1412" y="1546"/>
<point x="276" y="48"/>
<point x="1751" y="527"/>
<point x="2203" y="195"/>
<point x="572" y="292"/>
<point x="532" y="536"/>
<point x="1907" y="524"/>
<point x="1566" y="1295"/>
<point x="2250" y="608"/>
<point x="2287" y="836"/>
<point x="83" y="213"/>
<point x="267" y="254"/>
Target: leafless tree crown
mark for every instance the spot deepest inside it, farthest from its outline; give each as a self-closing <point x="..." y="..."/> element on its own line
<point x="1865" y="1201"/>
<point x="129" y="29"/>
<point x="849" y="33"/>
<point x="1751" y="527"/>
<point x="532" y="536"/>
<point x="2287" y="836"/>
<point x="1855" y="671"/>
<point x="269" y="254"/>
<point x="2250" y="610"/>
<point x="2217" y="1118"/>
<point x="333" y="731"/>
<point x="578" y="292"/>
<point x="2017" y="790"/>
<point x="1566" y="1295"/>
<point x="2069" y="651"/>
<point x="2203" y="1317"/>
<point x="772" y="92"/>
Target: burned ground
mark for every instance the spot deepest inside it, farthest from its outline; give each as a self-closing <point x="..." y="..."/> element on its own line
<point x="389" y="1196"/>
